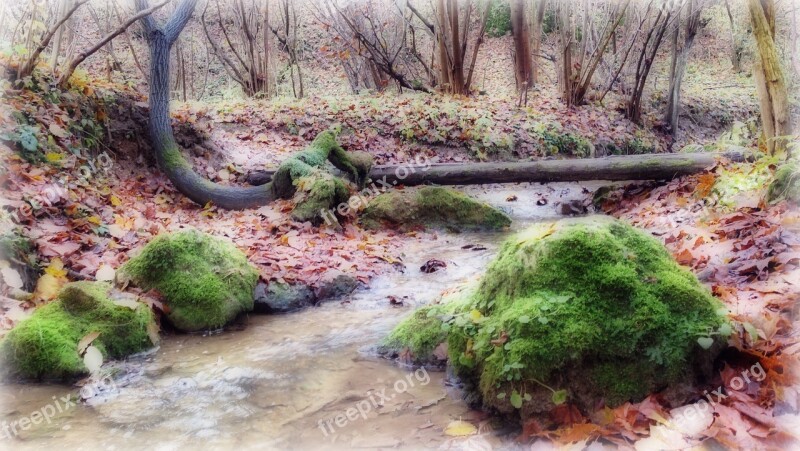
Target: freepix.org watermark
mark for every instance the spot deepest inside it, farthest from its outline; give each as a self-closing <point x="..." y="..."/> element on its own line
<point x="374" y="400"/>
<point x="59" y="405"/>
<point x="755" y="373"/>
<point x="57" y="191"/>
<point x="380" y="186"/>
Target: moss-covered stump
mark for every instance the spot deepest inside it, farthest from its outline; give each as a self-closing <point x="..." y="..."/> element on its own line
<point x="432" y="206"/>
<point x="206" y="281"/>
<point x="785" y="185"/>
<point x="588" y="310"/>
<point x="45" y="346"/>
<point x="306" y="178"/>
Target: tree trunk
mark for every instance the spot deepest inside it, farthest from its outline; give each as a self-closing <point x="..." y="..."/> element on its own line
<point x="522" y="50"/>
<point x="680" y="55"/>
<point x="770" y="81"/>
<point x="63" y="7"/>
<point x="737" y="47"/>
<point x="457" y="67"/>
<point x="537" y="40"/>
<point x="631" y="167"/>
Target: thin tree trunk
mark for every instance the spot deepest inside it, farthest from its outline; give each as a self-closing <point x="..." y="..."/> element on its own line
<point x="166" y="149"/>
<point x="522" y="50"/>
<point x="770" y="81"/>
<point x="63" y="79"/>
<point x="26" y="68"/>
<point x="63" y="7"/>
<point x="537" y="40"/>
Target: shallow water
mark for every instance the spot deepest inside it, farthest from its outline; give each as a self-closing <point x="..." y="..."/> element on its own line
<point x="305" y="380"/>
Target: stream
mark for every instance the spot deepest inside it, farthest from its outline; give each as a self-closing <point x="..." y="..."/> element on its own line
<point x="304" y="380"/>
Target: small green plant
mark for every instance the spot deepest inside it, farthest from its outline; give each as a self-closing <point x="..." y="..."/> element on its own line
<point x="499" y="21"/>
<point x="637" y="146"/>
<point x="28" y="140"/>
<point x="554" y="141"/>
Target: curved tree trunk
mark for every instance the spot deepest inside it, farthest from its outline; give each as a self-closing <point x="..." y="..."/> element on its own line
<point x="201" y="190"/>
<point x="166" y="149"/>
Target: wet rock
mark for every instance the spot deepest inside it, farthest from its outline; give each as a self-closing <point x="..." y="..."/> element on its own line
<point x="572" y="208"/>
<point x="277" y="297"/>
<point x="432" y="266"/>
<point x="336" y="286"/>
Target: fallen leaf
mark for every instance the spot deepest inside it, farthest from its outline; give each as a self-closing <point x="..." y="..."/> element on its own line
<point x="460" y="429"/>
<point x="93" y="359"/>
<point x="86" y="341"/>
<point x="105" y="273"/>
<point x="11" y="277"/>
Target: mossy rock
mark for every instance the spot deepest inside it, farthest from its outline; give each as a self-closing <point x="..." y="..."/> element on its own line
<point x="432" y="206"/>
<point x="785" y="185"/>
<point x="206" y="281"/>
<point x="45" y="346"/>
<point x="590" y="309"/>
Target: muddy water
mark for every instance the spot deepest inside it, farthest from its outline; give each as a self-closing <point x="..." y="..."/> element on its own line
<point x="306" y="380"/>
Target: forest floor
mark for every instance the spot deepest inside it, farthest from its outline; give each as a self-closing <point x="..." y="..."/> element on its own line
<point x="90" y="212"/>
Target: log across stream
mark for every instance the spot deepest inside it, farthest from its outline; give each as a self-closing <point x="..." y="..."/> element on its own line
<point x="616" y="168"/>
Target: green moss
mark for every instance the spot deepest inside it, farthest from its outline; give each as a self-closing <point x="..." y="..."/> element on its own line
<point x="318" y="193"/>
<point x="785" y="184"/>
<point x="432" y="207"/>
<point x="420" y="333"/>
<point x="46" y="344"/>
<point x="591" y="306"/>
<point x="206" y="281"/>
<point x="425" y="329"/>
<point x="742" y="180"/>
<point x="171" y="158"/>
<point x="319" y="190"/>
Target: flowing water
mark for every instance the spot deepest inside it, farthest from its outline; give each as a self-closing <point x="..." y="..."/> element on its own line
<point x="305" y="380"/>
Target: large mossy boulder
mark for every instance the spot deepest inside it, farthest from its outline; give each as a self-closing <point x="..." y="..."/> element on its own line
<point x="588" y="310"/>
<point x="45" y="346"/>
<point x="206" y="281"/>
<point x="432" y="206"/>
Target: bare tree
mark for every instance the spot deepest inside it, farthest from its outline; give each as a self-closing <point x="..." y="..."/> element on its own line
<point x="452" y="41"/>
<point x="378" y="35"/>
<point x="578" y="64"/>
<point x="66" y="73"/>
<point x="247" y="56"/>
<point x="523" y="67"/>
<point x="537" y="18"/>
<point x="737" y="40"/>
<point x="647" y="56"/>
<point x="26" y="68"/>
<point x="286" y="34"/>
<point x="682" y="40"/>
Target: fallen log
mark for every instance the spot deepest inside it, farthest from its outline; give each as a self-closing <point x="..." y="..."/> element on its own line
<point x="615" y="168"/>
